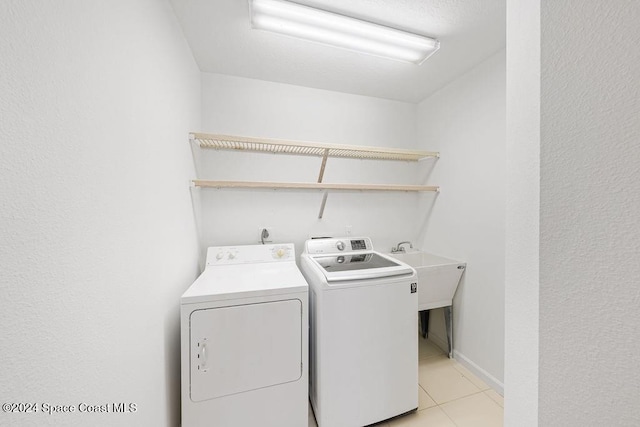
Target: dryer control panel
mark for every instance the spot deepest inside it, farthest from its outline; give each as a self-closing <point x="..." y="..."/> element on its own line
<point x="249" y="254"/>
<point x="338" y="245"/>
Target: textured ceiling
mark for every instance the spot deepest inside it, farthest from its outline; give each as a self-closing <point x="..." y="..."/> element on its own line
<point x="222" y="41"/>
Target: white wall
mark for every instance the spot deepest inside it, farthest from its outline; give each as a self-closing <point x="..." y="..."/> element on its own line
<point x="590" y="214"/>
<point x="240" y="106"/>
<point x="96" y="224"/>
<point x="465" y="121"/>
<point x="573" y="161"/>
<point x="523" y="214"/>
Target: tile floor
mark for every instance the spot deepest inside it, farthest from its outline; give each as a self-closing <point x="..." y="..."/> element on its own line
<point x="450" y="395"/>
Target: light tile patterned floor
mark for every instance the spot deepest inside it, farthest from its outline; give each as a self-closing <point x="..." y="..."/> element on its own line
<point x="449" y="395"/>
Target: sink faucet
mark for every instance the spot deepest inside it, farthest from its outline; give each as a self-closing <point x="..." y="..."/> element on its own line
<point x="399" y="247"/>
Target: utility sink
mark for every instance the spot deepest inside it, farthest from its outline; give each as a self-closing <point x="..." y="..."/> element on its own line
<point x="438" y="277"/>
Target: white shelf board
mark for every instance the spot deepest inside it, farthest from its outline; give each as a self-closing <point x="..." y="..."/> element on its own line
<point x="312" y="186"/>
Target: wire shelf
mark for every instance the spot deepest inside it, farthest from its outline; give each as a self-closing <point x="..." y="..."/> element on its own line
<point x="240" y="143"/>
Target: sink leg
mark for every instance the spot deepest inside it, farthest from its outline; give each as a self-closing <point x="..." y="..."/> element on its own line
<point x="448" y="322"/>
<point x="424" y="323"/>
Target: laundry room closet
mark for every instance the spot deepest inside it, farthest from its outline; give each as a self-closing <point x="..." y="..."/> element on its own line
<point x="463" y="119"/>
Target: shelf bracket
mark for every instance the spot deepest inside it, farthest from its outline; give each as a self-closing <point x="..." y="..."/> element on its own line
<point x="320" y="176"/>
<point x="323" y="165"/>
<point x="324" y="202"/>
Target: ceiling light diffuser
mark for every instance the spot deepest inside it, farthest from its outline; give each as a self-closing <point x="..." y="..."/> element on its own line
<point x="341" y="31"/>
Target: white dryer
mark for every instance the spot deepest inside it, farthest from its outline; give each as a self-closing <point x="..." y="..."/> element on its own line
<point x="364" y="333"/>
<point x="244" y="338"/>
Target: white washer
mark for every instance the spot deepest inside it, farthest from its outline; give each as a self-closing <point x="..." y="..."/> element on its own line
<point x="364" y="333"/>
<point x="244" y="337"/>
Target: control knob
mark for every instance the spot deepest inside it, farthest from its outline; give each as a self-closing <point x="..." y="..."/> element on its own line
<point x="340" y="246"/>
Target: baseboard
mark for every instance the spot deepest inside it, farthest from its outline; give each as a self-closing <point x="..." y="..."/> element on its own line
<point x="489" y="379"/>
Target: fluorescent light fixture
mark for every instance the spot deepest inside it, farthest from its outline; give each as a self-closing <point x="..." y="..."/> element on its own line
<point x="341" y="31"/>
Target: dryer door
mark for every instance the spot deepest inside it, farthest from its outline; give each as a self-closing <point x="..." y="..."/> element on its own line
<point x="246" y="347"/>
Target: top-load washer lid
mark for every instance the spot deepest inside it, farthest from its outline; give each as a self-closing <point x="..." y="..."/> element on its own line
<point x="353" y="259"/>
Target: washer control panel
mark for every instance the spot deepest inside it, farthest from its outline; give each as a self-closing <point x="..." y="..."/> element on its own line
<point x="229" y="255"/>
<point x="338" y="245"/>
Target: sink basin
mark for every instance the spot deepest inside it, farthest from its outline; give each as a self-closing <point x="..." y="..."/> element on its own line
<point x="438" y="277"/>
